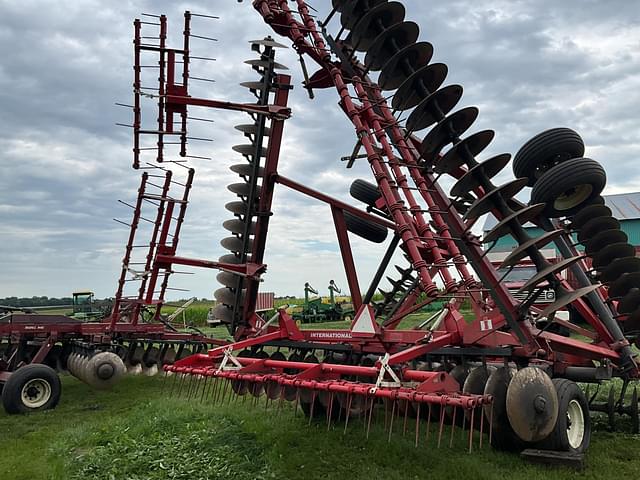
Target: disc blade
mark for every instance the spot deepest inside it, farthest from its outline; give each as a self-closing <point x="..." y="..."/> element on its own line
<point x="624" y="284"/>
<point x="588" y="213"/>
<point x="228" y="279"/>
<point x="234" y="244"/>
<point x="394" y="72"/>
<point x="565" y="300"/>
<point x="596" y="225"/>
<point x="619" y="267"/>
<point x="487" y="202"/>
<point x="238" y="208"/>
<point x="630" y="302"/>
<point x="446" y="131"/>
<point x="265" y="64"/>
<point x="249" y="150"/>
<point x="532" y="404"/>
<point x="609" y="253"/>
<point x="432" y="108"/>
<point x="235" y="225"/>
<point x="267" y="42"/>
<point x="252" y="129"/>
<point x="246" y="169"/>
<point x="456" y="155"/>
<point x="602" y="239"/>
<point x="368" y="26"/>
<point x="471" y="179"/>
<point x="522" y="251"/>
<point x="420" y="84"/>
<point x="388" y="42"/>
<point x="552" y="269"/>
<point x="352" y="11"/>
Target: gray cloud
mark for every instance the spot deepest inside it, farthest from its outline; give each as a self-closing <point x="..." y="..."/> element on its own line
<point x="527" y="65"/>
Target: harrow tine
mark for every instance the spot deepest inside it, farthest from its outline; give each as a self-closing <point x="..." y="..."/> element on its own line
<point x="471" y="423"/>
<point x="464" y="422"/>
<point x="481" y="427"/>
<point x="441" y="425"/>
<point x="295" y="408"/>
<point x="313" y="401"/>
<point x="370" y="415"/>
<point x="453" y="426"/>
<point x="393" y="412"/>
<point x="330" y="411"/>
<point x="428" y="424"/>
<point x="418" y="425"/>
<point x="406" y="412"/>
<point x="346" y="420"/>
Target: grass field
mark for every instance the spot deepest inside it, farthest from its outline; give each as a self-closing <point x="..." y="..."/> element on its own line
<point x="138" y="431"/>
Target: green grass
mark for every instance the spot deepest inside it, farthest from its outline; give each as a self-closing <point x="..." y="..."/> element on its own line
<point x="137" y="431"/>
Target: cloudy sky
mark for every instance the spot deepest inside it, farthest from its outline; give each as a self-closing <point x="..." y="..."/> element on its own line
<point x="528" y="66"/>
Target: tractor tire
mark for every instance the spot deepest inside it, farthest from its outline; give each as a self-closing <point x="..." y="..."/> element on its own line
<point x="546" y="150"/>
<point x="365" y="229"/>
<point x="572" y="432"/>
<point x="364" y="191"/>
<point x="31" y="388"/>
<point x="569" y="186"/>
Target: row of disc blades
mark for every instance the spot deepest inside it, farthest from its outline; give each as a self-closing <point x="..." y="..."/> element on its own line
<point x="242" y="226"/>
<point x="379" y="28"/>
<point x="614" y="260"/>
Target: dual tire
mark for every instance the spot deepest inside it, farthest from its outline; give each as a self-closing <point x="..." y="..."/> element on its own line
<point x="561" y="178"/>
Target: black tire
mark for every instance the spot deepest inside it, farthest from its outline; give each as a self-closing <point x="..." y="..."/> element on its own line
<point x="364" y="191"/>
<point x="363" y="228"/>
<point x="569" y="186"/>
<point x="31" y="388"/>
<point x="546" y="150"/>
<point x="568" y="393"/>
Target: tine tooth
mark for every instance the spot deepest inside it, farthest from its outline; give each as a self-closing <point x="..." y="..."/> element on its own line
<point x="406" y="411"/>
<point x="330" y="411"/>
<point x="386" y="406"/>
<point x="441" y="424"/>
<point x="453" y="426"/>
<point x="473" y="412"/>
<point x="393" y="411"/>
<point x="295" y="407"/>
<point x="464" y="422"/>
<point x="428" y="424"/>
<point x="346" y="420"/>
<point x="481" y="426"/>
<point x="418" y="425"/>
<point x="313" y="401"/>
<point x="370" y="414"/>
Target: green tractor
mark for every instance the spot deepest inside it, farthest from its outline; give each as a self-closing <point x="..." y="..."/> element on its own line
<point x="322" y="309"/>
<point x="86" y="308"/>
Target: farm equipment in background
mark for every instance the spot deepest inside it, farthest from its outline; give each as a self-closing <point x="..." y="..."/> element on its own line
<point x="498" y="370"/>
<point x="133" y="335"/>
<point x="321" y="309"/>
<point x="85" y="306"/>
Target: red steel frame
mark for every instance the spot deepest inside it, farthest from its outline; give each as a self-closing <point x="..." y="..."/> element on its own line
<point x="429" y="252"/>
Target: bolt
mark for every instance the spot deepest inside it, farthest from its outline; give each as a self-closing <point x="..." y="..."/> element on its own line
<point x="540" y="403"/>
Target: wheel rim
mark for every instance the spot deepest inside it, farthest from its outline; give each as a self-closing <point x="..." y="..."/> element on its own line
<point x="575" y="424"/>
<point x="36" y="393"/>
<point x="573" y="197"/>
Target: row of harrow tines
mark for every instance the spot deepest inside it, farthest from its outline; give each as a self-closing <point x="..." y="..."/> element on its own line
<point x="338" y="389"/>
